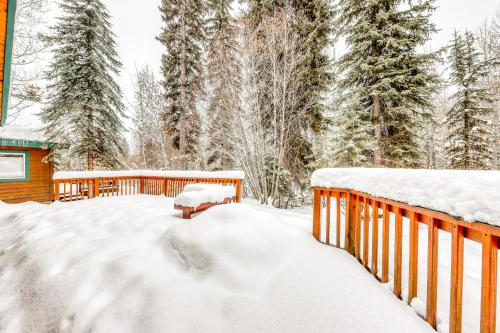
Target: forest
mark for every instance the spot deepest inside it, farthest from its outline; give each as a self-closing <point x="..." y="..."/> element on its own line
<point x="259" y="86"/>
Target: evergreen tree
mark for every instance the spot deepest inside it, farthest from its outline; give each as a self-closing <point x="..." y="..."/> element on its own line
<point x="354" y="139"/>
<point x="183" y="36"/>
<point x="468" y="143"/>
<point x="384" y="74"/>
<point x="84" y="102"/>
<point x="224" y="81"/>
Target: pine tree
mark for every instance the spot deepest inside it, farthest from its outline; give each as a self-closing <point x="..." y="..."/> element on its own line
<point x="385" y="74"/>
<point x="183" y="36"/>
<point x="84" y="102"/>
<point x="224" y="81"/>
<point x="468" y="143"/>
<point x="354" y="139"/>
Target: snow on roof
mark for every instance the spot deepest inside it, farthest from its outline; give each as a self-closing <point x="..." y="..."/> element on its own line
<point x="473" y="195"/>
<point x="22" y="133"/>
<point x="150" y="173"/>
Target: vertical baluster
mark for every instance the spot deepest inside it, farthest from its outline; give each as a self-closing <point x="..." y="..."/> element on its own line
<point x="70" y="190"/>
<point x="366" y="230"/>
<point x="328" y="218"/>
<point x="489" y="283"/>
<point x="317" y="214"/>
<point x="337" y="216"/>
<point x="375" y="237"/>
<point x="358" y="228"/>
<point x="413" y="266"/>
<point x="398" y="252"/>
<point x="64" y="189"/>
<point x="457" y="278"/>
<point x="432" y="267"/>
<point x="57" y="190"/>
<point x="385" y="244"/>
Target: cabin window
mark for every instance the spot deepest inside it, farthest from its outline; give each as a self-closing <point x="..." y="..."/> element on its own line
<point x="14" y="166"/>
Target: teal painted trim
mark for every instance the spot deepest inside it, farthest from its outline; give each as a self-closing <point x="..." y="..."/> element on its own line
<point x="26" y="167"/>
<point x="26" y="143"/>
<point x="9" y="45"/>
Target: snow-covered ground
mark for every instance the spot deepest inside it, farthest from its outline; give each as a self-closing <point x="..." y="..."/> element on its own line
<point x="130" y="264"/>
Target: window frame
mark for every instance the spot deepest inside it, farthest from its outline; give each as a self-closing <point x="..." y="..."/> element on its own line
<point x="26" y="155"/>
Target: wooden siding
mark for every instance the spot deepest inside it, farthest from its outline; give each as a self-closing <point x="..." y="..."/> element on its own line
<point x="3" y="35"/>
<point x="38" y="187"/>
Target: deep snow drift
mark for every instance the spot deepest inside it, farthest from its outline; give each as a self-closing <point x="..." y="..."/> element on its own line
<point x="470" y="194"/>
<point x="130" y="264"/>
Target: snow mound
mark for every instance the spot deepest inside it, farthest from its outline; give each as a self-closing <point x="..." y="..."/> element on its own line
<point x="194" y="195"/>
<point x="150" y="173"/>
<point x="129" y="264"/>
<point x="472" y="195"/>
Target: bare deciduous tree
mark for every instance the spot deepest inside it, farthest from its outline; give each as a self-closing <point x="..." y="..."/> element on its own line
<point x="29" y="44"/>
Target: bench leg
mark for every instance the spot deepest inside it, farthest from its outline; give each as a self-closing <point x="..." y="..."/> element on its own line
<point x="186" y="214"/>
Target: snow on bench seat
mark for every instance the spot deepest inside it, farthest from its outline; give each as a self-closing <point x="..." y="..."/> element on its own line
<point x="198" y="197"/>
<point x="472" y="195"/>
<point x="197" y="194"/>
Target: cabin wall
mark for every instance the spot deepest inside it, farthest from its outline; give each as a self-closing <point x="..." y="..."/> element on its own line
<point x="38" y="187"/>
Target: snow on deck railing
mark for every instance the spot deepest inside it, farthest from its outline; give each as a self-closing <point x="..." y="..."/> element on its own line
<point x="149" y="173"/>
<point x="441" y="200"/>
<point x="80" y="185"/>
<point x="470" y="195"/>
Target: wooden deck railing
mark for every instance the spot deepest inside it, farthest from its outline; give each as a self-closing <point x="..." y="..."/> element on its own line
<point x="357" y="224"/>
<point x="87" y="188"/>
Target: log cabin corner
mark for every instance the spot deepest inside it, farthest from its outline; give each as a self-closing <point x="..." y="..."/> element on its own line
<point x="24" y="173"/>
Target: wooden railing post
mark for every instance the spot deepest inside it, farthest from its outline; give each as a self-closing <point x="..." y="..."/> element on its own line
<point x="398" y="252"/>
<point x="350" y="228"/>
<point x="413" y="266"/>
<point x="457" y="278"/>
<point x="489" y="283"/>
<point x="141" y="185"/>
<point x="56" y="190"/>
<point x="432" y="273"/>
<point x="385" y="244"/>
<point x="238" y="190"/>
<point x="375" y="238"/>
<point x="317" y="214"/>
<point x="96" y="188"/>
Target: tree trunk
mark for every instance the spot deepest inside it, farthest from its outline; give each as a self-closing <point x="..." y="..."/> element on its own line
<point x="90" y="160"/>
<point x="182" y="79"/>
<point x="377" y="130"/>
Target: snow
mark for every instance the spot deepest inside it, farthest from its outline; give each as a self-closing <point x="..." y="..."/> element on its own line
<point x="22" y="133"/>
<point x="150" y="173"/>
<point x="472" y="195"/>
<point x="194" y="195"/>
<point x="131" y="264"/>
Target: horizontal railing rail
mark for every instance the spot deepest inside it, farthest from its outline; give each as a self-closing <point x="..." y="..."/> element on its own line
<point x="359" y="241"/>
<point x="69" y="189"/>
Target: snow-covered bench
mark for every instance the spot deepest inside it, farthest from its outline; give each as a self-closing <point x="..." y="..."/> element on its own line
<point x="196" y="198"/>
